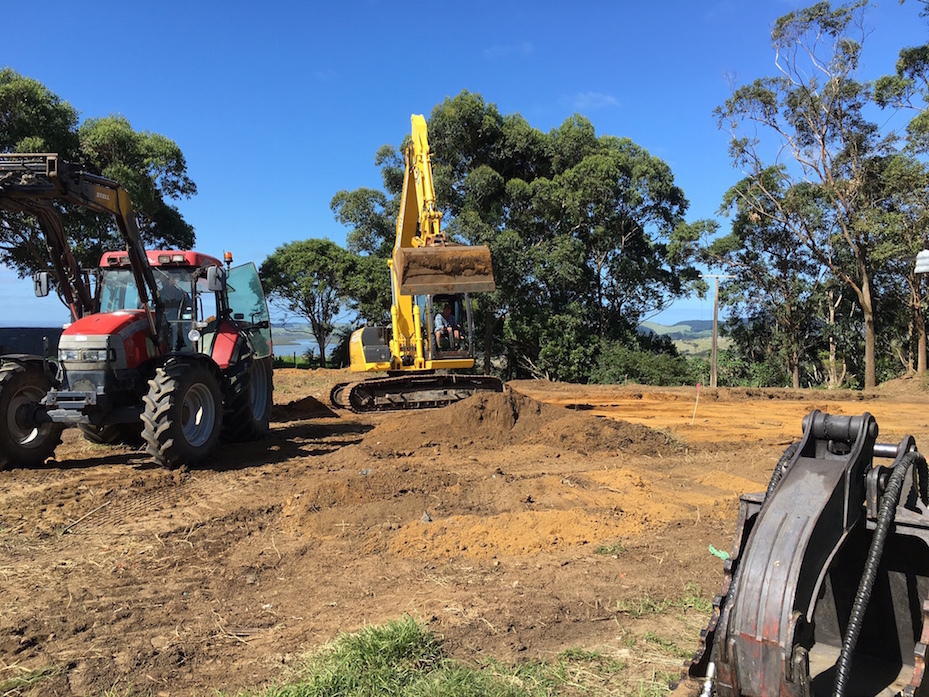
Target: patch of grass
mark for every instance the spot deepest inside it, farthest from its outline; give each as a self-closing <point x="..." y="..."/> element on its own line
<point x="692" y="599"/>
<point x="667" y="645"/>
<point x="614" y="550"/>
<point x="402" y="658"/>
<point x="27" y="682"/>
<point x="636" y="608"/>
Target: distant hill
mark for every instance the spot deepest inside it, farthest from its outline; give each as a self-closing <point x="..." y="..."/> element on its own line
<point x="692" y="337"/>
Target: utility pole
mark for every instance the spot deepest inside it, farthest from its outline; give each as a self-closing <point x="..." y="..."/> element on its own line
<point x="713" y="351"/>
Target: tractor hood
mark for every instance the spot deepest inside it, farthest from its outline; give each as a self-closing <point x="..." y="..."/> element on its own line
<point x="106" y="323"/>
<point x="124" y="334"/>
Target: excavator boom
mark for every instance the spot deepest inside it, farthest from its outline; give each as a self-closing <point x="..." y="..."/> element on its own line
<point x="424" y="261"/>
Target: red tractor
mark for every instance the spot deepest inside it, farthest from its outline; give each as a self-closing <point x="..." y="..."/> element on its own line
<point x="172" y="348"/>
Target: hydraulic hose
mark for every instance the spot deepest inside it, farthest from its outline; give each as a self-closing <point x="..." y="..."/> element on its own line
<point x="780" y="469"/>
<point x="885" y="516"/>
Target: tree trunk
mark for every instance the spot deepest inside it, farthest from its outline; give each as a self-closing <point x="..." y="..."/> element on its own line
<point x="322" y="352"/>
<point x="919" y="322"/>
<point x="795" y="369"/>
<point x="920" y="343"/>
<point x="833" y="349"/>
<point x="867" y="310"/>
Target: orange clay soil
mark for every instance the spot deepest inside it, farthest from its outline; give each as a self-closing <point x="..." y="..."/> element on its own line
<point x="514" y="526"/>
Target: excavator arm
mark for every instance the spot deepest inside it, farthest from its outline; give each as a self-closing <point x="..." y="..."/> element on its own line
<point x="32" y="183"/>
<point x="424" y="261"/>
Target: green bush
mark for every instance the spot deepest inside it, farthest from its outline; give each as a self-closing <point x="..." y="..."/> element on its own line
<point x="619" y="363"/>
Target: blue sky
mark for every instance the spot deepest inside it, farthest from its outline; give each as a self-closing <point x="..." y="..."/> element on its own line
<point x="278" y="105"/>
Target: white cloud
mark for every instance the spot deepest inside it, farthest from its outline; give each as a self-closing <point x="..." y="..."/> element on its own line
<point x="586" y="101"/>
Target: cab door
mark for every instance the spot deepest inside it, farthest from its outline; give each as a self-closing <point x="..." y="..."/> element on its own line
<point x="247" y="303"/>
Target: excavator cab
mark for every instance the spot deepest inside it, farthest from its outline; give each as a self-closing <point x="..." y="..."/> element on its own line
<point x="448" y="325"/>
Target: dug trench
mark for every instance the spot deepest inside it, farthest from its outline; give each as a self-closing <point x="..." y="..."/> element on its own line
<point x="515" y="527"/>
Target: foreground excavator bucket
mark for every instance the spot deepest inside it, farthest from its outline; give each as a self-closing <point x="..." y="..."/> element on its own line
<point x="437" y="269"/>
<point x="826" y="591"/>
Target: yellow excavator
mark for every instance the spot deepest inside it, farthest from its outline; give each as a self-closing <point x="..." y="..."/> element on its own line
<point x="431" y="327"/>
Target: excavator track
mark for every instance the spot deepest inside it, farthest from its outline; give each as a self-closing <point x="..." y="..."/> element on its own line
<point x="410" y="391"/>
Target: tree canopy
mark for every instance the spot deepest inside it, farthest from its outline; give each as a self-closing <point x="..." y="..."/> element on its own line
<point x="835" y="199"/>
<point x="583" y="229"/>
<point x="306" y="278"/>
<point x="150" y="166"/>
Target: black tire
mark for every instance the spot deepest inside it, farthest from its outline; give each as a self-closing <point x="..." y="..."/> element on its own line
<point x="113" y="434"/>
<point x="248" y="401"/>
<point x="183" y="414"/>
<point x="23" y="443"/>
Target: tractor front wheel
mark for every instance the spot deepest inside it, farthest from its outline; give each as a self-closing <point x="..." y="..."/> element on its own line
<point x="183" y="414"/>
<point x="24" y="442"/>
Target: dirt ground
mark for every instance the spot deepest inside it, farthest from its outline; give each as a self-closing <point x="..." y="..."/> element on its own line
<point x="487" y="519"/>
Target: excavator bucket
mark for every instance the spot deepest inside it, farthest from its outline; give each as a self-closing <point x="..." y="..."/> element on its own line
<point x="452" y="268"/>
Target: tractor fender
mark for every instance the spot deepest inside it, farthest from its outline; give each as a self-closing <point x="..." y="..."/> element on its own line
<point x="225" y="344"/>
<point x="29" y="361"/>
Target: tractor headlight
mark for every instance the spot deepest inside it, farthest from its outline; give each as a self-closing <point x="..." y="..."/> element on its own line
<point x="83" y="355"/>
<point x="93" y="355"/>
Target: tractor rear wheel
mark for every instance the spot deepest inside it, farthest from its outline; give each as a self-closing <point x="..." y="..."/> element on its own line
<point x="23" y="441"/>
<point x="183" y="414"/>
<point x="248" y="404"/>
<point x="113" y="434"/>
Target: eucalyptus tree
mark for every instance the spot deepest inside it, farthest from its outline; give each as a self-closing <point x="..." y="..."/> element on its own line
<point x="772" y="283"/>
<point x="814" y="111"/>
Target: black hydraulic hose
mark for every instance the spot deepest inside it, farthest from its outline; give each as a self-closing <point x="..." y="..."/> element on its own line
<point x="780" y="468"/>
<point x="885" y="517"/>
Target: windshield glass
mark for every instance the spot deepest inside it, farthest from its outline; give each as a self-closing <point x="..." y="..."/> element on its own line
<point x="118" y="290"/>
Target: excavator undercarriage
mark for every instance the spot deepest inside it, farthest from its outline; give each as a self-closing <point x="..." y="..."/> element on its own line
<point x="404" y="391"/>
<point x="826" y="591"/>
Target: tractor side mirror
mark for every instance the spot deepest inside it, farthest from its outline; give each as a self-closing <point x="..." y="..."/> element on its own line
<point x="215" y="279"/>
<point x="40" y="283"/>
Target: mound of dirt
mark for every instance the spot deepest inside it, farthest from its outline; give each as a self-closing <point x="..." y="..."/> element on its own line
<point x="510" y="419"/>
<point x="300" y="409"/>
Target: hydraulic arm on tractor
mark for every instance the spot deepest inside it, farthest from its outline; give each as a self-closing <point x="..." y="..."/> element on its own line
<point x="34" y="183"/>
<point x="424" y="341"/>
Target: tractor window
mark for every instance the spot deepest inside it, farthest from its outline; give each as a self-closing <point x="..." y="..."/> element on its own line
<point x="176" y="289"/>
<point x="247" y="302"/>
<point x="118" y="291"/>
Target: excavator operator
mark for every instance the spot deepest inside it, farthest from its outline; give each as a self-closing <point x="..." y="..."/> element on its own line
<point x="447" y="333"/>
